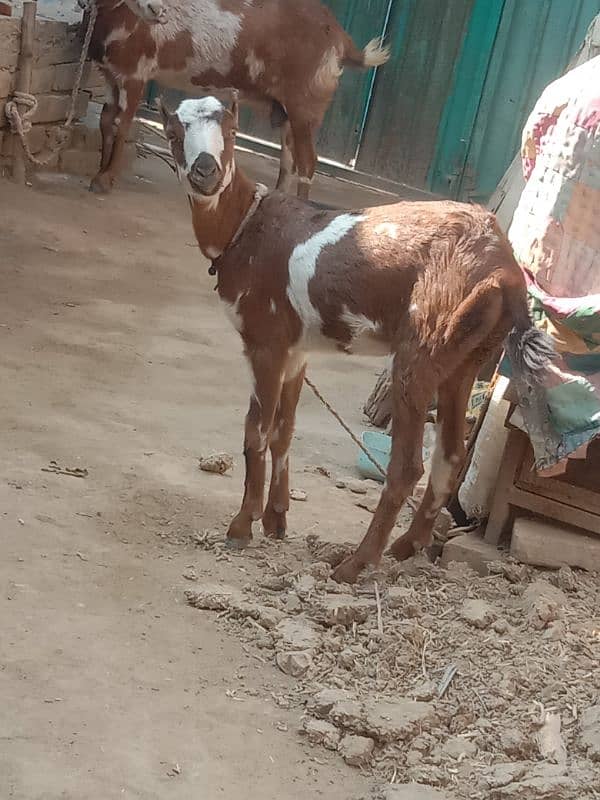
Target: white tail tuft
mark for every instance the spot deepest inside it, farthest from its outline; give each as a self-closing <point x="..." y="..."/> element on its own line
<point x="376" y="53"/>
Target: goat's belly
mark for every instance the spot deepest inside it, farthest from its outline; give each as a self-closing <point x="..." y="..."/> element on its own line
<point x="364" y="342"/>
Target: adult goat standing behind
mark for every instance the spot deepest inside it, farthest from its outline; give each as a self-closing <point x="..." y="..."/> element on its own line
<point x="436" y="281"/>
<point x="285" y="54"/>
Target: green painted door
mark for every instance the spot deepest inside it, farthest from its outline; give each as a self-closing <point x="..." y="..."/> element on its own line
<point x="512" y="50"/>
<point x="411" y="89"/>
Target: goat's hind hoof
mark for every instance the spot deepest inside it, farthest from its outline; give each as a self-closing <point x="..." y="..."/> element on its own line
<point x="348" y="571"/>
<point x="236" y="544"/>
<point x="101" y="185"/>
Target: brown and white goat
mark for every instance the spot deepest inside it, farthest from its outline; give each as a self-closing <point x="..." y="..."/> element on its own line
<point x="287" y="54"/>
<point x="436" y="280"/>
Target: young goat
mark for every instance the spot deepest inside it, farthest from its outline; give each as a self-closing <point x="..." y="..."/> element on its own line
<point x="285" y="54"/>
<point x="436" y="280"/>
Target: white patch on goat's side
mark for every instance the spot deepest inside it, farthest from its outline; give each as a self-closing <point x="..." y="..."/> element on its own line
<point x="273" y="306"/>
<point x="232" y="310"/>
<point x="203" y="133"/>
<point x="255" y="65"/>
<point x="303" y="265"/>
<point x="214" y="33"/>
<point x="387" y="229"/>
<point x="329" y="71"/>
<point x="123" y="99"/>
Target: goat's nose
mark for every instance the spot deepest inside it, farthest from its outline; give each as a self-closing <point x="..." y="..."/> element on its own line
<point x="204" y="168"/>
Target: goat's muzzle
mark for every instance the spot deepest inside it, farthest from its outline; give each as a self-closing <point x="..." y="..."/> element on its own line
<point x="205" y="175"/>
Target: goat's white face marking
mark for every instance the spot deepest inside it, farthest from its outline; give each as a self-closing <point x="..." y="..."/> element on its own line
<point x="201" y="120"/>
<point x="303" y="265"/>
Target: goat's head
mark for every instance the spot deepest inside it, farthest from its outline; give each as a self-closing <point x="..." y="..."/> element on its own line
<point x="149" y="10"/>
<point x="201" y="135"/>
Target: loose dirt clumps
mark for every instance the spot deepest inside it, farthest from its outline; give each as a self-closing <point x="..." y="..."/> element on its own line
<point x="459" y="685"/>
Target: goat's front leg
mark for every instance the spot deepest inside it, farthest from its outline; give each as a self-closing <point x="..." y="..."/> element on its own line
<point x="115" y="123"/>
<point x="268" y="370"/>
<point x="274" y="518"/>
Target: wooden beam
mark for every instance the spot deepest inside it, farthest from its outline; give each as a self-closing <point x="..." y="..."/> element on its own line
<point x="23" y="83"/>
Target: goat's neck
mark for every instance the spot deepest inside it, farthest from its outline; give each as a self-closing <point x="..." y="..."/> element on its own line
<point x="216" y="223"/>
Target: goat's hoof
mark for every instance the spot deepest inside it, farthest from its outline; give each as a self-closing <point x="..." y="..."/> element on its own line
<point x="237" y="544"/>
<point x="274" y="524"/>
<point x="101" y="184"/>
<point x="403" y="550"/>
<point x="348" y="571"/>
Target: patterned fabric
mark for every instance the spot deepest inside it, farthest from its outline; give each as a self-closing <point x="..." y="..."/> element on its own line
<point x="556" y="237"/>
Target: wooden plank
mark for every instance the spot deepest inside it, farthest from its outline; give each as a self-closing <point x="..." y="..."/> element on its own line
<point x="23" y="84"/>
<point x="553" y="509"/>
<point x="500" y="511"/>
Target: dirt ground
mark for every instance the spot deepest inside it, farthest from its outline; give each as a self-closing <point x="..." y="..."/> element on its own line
<point x="138" y="659"/>
<point x="116" y="358"/>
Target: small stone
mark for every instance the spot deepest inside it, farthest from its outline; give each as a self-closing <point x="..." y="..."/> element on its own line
<point x="305" y="586"/>
<point x="320" y="732"/>
<point x="214" y="597"/>
<point x="293" y="603"/>
<point x="357" y="487"/>
<point x="295" y="633"/>
<point x="589" y="732"/>
<point x="556" y="631"/>
<point x="478" y="613"/>
<point x="299" y="495"/>
<point x="356" y="750"/>
<point x="269" y="617"/>
<point x="444" y="523"/>
<point x="457" y="747"/>
<point x="500" y="626"/>
<point x="398" y="596"/>
<point x="515" y="744"/>
<point x="344" y="609"/>
<point x="347" y="714"/>
<point x="320" y="570"/>
<point x="566" y="579"/>
<point x="321" y="704"/>
<point x="218" y="463"/>
<point x="388" y="721"/>
<point x="346" y="659"/>
<point x="543" y="603"/>
<point x="295" y="664"/>
<point x="425" y="691"/>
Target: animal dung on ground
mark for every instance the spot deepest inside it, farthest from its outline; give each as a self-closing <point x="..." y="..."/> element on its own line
<point x="218" y="463"/>
<point x="299" y="495"/>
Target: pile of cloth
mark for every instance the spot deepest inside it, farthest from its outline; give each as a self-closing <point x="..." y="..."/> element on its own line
<point x="555" y="234"/>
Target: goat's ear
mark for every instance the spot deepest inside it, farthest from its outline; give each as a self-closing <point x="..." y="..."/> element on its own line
<point x="235" y="108"/>
<point x="164" y="112"/>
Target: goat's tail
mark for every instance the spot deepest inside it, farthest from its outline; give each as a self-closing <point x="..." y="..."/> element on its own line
<point x="529" y="350"/>
<point x="375" y="54"/>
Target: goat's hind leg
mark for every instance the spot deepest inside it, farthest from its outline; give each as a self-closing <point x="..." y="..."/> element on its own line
<point x="411" y="389"/>
<point x="268" y="369"/>
<point x="447" y="459"/>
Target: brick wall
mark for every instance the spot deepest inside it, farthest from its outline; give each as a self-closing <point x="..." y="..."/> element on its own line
<point x="56" y="55"/>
